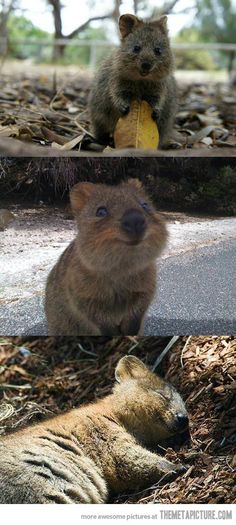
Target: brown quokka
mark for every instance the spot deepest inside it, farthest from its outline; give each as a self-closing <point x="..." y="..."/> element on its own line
<point x="105" y="280"/>
<point x="6" y="217"/>
<point x="99" y="450"/>
<point x="140" y="69"/>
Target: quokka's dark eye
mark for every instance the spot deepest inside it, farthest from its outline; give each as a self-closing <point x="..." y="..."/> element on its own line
<point x="145" y="206"/>
<point x="136" y="49"/>
<point x="157" y="50"/>
<point x="101" y="212"/>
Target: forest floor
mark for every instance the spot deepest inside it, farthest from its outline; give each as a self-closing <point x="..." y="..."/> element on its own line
<point x="41" y="377"/>
<point x="45" y="106"/>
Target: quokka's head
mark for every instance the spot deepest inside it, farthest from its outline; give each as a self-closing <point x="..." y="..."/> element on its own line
<point x="145" y="52"/>
<point x="119" y="228"/>
<point x="150" y="407"/>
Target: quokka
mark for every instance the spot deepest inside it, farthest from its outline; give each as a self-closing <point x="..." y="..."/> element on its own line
<point x="6" y="217"/>
<point x="99" y="450"/>
<point x="140" y="69"/>
<point x="105" y="280"/>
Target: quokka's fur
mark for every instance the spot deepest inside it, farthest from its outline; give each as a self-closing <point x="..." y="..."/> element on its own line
<point x="124" y="77"/>
<point x="105" y="280"/>
<point x="6" y="217"/>
<point x="93" y="452"/>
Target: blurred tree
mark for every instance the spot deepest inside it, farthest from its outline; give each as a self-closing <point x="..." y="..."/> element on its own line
<point x="21" y="28"/>
<point x="57" y="7"/>
<point x="81" y="55"/>
<point x="6" y="8"/>
<point x="57" y="19"/>
<point x="216" y="21"/>
<point x="190" y="58"/>
<point x="166" y="8"/>
<point x="139" y="6"/>
<point x="144" y="7"/>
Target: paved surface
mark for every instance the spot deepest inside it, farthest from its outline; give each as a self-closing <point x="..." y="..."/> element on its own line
<point x="197" y="293"/>
<point x="196" y="287"/>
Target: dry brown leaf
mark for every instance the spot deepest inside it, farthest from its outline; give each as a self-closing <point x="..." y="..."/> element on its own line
<point x="69" y="145"/>
<point x="207" y="140"/>
<point x="53" y="137"/>
<point x="208" y="120"/>
<point x="137" y="129"/>
<point x="8" y="131"/>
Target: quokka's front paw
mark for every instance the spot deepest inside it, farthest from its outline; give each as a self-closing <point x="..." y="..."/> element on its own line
<point x="177" y="470"/>
<point x="156" y="114"/>
<point x="171" y="475"/>
<point x="171" y="470"/>
<point x="123" y="107"/>
<point x="180" y="469"/>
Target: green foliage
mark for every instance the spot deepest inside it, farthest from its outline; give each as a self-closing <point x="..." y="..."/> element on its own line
<point x="193" y="58"/>
<point x="206" y="188"/>
<point x="20" y="28"/>
<point x="222" y="187"/>
<point x="77" y="54"/>
<point x="216" y="21"/>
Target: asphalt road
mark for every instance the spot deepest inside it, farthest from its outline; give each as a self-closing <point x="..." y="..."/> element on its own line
<point x="196" y="294"/>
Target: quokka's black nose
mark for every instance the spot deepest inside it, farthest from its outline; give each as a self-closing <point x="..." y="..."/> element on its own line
<point x="133" y="223"/>
<point x="182" y="420"/>
<point x="146" y="66"/>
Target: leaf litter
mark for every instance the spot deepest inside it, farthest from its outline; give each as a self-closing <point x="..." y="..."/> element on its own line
<point x="41" y="377"/>
<point x="53" y="111"/>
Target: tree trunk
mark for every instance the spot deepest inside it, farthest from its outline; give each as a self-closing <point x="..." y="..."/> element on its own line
<point x="58" y="51"/>
<point x="4" y="16"/>
<point x="231" y="61"/>
<point x="136" y="2"/>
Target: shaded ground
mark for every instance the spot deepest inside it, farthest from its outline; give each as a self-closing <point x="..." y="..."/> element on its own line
<point x="40" y="377"/>
<point x="195" y="293"/>
<point x="195" y="185"/>
<point x="48" y="109"/>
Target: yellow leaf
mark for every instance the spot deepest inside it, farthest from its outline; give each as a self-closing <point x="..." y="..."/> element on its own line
<point x="137" y="129"/>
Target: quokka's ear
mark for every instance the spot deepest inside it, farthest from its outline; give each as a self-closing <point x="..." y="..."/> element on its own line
<point x="161" y="23"/>
<point x="130" y="367"/>
<point x="136" y="183"/>
<point x="80" y="194"/>
<point x="128" y="23"/>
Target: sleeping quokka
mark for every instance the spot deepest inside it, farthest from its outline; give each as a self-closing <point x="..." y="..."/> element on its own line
<point x="93" y="452"/>
<point x="105" y="280"/>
